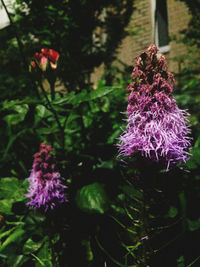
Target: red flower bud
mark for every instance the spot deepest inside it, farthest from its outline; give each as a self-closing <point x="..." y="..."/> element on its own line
<point x="41" y="60"/>
<point x="52" y="55"/>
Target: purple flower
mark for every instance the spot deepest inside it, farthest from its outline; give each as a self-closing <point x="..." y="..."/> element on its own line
<point x="156" y="128"/>
<point x="46" y="189"/>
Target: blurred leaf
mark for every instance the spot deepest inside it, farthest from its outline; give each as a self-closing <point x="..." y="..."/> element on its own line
<point x="2" y="235"/>
<point x="197" y="143"/>
<point x="172" y="212"/>
<point x="44" y="256"/>
<point x="16" y="260"/>
<point x="180" y="262"/>
<point x="6" y="206"/>
<point x="11" y="104"/>
<point x="194" y="162"/>
<point x="87" y="245"/>
<point x="46" y="131"/>
<point x="13" y="139"/>
<point x="92" y="198"/>
<point x="114" y="136"/>
<point x="71" y="117"/>
<point x="11" y="190"/>
<point x="84" y="96"/>
<point x="106" y="104"/>
<point x="30" y="246"/>
<point x="41" y="111"/>
<point x="18" y="116"/>
<point x="131" y="192"/>
<point x="105" y="164"/>
<point x="87" y="120"/>
<point x="193" y="225"/>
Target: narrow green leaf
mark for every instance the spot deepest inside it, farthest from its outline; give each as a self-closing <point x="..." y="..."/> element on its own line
<point x="131" y="192"/>
<point x="44" y="256"/>
<point x="30" y="246"/>
<point x="12" y="238"/>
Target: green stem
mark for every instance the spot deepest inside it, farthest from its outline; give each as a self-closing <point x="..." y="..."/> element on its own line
<point x="55" y="115"/>
<point x="51" y="107"/>
<point x="110" y="257"/>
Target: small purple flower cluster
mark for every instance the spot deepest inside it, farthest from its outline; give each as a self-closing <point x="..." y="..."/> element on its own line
<point x="156" y="128"/>
<point x="46" y="189"/>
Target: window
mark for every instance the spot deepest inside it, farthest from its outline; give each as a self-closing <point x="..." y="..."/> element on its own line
<point x="160" y="25"/>
<point x="4" y="20"/>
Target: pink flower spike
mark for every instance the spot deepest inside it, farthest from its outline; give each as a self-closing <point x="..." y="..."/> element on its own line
<point x="46" y="188"/>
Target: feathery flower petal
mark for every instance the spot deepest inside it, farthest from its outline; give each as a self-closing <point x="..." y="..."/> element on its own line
<point x="46" y="189"/>
<point x="156" y="128"/>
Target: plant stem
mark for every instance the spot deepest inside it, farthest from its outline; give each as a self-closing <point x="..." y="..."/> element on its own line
<point x="55" y="115"/>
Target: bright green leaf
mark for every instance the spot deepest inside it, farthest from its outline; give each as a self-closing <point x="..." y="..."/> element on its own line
<point x="12" y="238"/>
<point x="30" y="246"/>
<point x="92" y="198"/>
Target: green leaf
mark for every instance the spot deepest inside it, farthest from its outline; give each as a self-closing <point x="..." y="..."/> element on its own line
<point x="11" y="104"/>
<point x="193" y="162"/>
<point x="46" y="42"/>
<point x="12" y="238"/>
<point x="193" y="225"/>
<point x="85" y="96"/>
<point x="11" y="190"/>
<point x="71" y="117"/>
<point x="87" y="245"/>
<point x="18" y="116"/>
<point x="2" y="235"/>
<point x="180" y="261"/>
<point x="172" y="212"/>
<point x="16" y="260"/>
<point x="11" y="187"/>
<point x="30" y="246"/>
<point x="43" y="257"/>
<point x="6" y="206"/>
<point x="92" y="198"/>
<point x="87" y="120"/>
<point x="102" y="91"/>
<point x="13" y="139"/>
<point x="106" y="104"/>
<point x="114" y="136"/>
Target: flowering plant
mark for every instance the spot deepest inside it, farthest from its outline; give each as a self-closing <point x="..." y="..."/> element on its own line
<point x="41" y="59"/>
<point x="46" y="187"/>
<point x="156" y="128"/>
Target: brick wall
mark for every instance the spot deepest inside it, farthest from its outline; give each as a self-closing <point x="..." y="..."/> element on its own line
<point x="178" y="17"/>
<point x="140" y="31"/>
